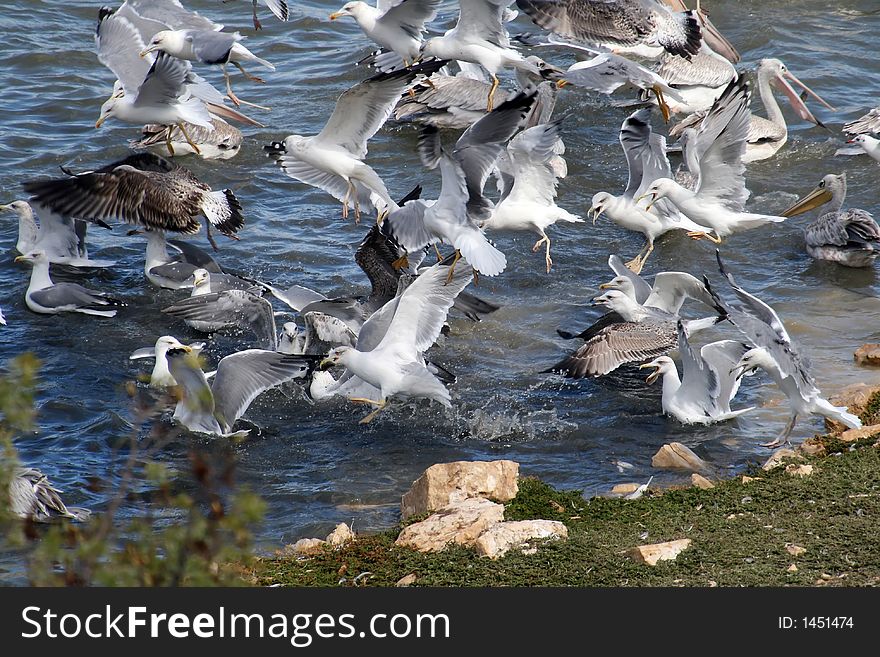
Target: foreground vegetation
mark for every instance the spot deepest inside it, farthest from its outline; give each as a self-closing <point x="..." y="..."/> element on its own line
<point x="743" y="534"/>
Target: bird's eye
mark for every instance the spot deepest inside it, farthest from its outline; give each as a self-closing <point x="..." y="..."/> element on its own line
<point x="822" y="184"/>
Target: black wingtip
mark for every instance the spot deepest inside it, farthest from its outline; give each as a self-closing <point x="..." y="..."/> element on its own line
<point x="414" y="194"/>
<point x="693" y="36"/>
<point x="275" y="148"/>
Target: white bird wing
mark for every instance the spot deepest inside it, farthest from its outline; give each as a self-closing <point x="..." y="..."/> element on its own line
<point x="362" y="110"/>
<point x="196" y="398"/>
<point x="410" y="15"/>
<point x="240" y="307"/>
<point x="634" y="136"/>
<point x="642" y="288"/>
<point x="722" y="357"/>
<point x="165" y="81"/>
<point x="241" y="377"/>
<point x="483" y="20"/>
<point x="172" y="13"/>
<point x="704" y="69"/>
<point x="407" y="226"/>
<point x="119" y="44"/>
<point x="530" y="153"/>
<point x="699" y="383"/>
<point x="720" y="144"/>
<point x="422" y="309"/>
<point x="671" y="288"/>
<point x="279" y="8"/>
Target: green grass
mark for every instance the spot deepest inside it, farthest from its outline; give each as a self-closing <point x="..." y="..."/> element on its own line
<point x="739" y="534"/>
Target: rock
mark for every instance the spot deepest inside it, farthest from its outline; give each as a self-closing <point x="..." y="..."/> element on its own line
<point x="792" y="568"/>
<point x="701" y="482"/>
<point x="340" y="536"/>
<point x="406" y="580"/>
<point x="776" y="457"/>
<point x="796" y="470"/>
<point x="625" y="489"/>
<point x="852" y="435"/>
<point x="307" y="547"/>
<point x="855" y="397"/>
<point x="867" y="354"/>
<point x="502" y="537"/>
<point x="459" y="523"/>
<point x="676" y="455"/>
<point x="446" y="483"/>
<point x="746" y="479"/>
<point x="651" y="554"/>
<point x="794" y="550"/>
<point x="812" y="447"/>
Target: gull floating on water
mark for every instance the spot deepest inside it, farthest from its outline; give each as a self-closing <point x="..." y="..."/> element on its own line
<point x="241" y="377"/>
<point x="530" y="203"/>
<point x="645" y="153"/>
<point x="221" y="143"/>
<point x="332" y="160"/>
<point x="160" y="377"/>
<point x="60" y="238"/>
<point x="174" y="272"/>
<point x="642" y="27"/>
<point x="32" y="496"/>
<point x="714" y="155"/>
<point x="863" y="144"/>
<point x="776" y="354"/>
<point x="848" y="237"/>
<point x="708" y="384"/>
<point x="48" y="298"/>
<point x="397" y="25"/>
<point x="143" y="189"/>
<point x="208" y="47"/>
<point x="390" y="347"/>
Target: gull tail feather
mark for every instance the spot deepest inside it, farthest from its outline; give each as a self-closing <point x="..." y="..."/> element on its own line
<point x="480" y="253"/>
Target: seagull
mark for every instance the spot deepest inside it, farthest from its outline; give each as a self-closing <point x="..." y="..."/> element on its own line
<point x="848" y="237"/>
<point x="174" y="272"/>
<point x="221" y="143"/>
<point x="161" y="377"/>
<point x="391" y="344"/>
<point x="143" y="189"/>
<point x="48" y="298"/>
<point x="714" y="155"/>
<point x="708" y="383"/>
<point x="776" y="354"/>
<point x="530" y="202"/>
<point x="711" y="36"/>
<point x="208" y="47"/>
<point x="867" y="143"/>
<point x="332" y="160"/>
<point x="33" y="497"/>
<point x="631" y="333"/>
<point x="147" y="92"/>
<point x="645" y="153"/>
<point x="479" y="37"/>
<point x="642" y="27"/>
<point x="62" y="240"/>
<point x="291" y="340"/>
<point x="229" y="308"/>
<point x="698" y="82"/>
<point x="867" y="124"/>
<point x="241" y="377"/>
<point x="277" y="7"/>
<point x="397" y="25"/>
<point x="453" y="218"/>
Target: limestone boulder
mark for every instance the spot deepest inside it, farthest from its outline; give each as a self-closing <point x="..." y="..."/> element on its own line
<point x="444" y="484"/>
<point x="625" y="489"/>
<point x="868" y="354"/>
<point x="700" y="481"/>
<point x="855" y="397"/>
<point x="340" y="536"/>
<point x="776" y="459"/>
<point x="852" y="435"/>
<point x="499" y="539"/>
<point x="306" y="547"/>
<point x="677" y="456"/>
<point x="461" y="523"/>
<point x="656" y="552"/>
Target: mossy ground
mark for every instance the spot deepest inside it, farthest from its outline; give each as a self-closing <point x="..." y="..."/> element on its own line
<point x="739" y="534"/>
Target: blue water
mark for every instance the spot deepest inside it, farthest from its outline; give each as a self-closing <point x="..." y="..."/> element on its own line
<point x="314" y="465"/>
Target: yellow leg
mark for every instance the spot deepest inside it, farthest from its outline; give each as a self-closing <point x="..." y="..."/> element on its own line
<point x="495" y="84"/>
<point x="544" y="240"/>
<point x="168" y="141"/>
<point x="401" y="263"/>
<point x="452" y="266"/>
<point x="664" y="108"/>
<point x="437" y="251"/>
<point x="188" y="140"/>
<point x="699" y="235"/>
<point x="345" y="201"/>
<point x="378" y="404"/>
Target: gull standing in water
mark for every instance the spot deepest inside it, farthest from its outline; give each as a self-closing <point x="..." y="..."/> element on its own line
<point x="714" y="155"/>
<point x="241" y="377"/>
<point x="332" y="160"/>
<point x="646" y="159"/>
<point x="399" y="334"/>
<point x="641" y="27"/>
<point x="480" y="37"/>
<point x="776" y="354"/>
<point x="708" y="384"/>
<point x="848" y="237"/>
<point x="530" y="203"/>
<point x="48" y="298"/>
<point x="394" y="24"/>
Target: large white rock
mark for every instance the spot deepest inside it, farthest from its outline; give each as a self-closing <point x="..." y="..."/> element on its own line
<point x="504" y="536"/>
<point x="447" y="483"/>
<point x="460" y="523"/>
<point x="341" y="535"/>
<point x="677" y="456"/>
<point x="651" y="554"/>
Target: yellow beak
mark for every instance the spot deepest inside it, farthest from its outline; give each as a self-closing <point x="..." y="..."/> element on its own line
<point x="326" y="364"/>
<point x="146" y="51"/>
<point x="100" y="121"/>
<point x="335" y="15"/>
<point x="817" y="197"/>
<point x="653" y="376"/>
<point x="20" y="258"/>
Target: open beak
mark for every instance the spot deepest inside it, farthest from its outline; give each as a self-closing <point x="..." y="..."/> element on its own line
<point x="562" y="83"/>
<point x="740" y="371"/>
<point x="796" y="102"/>
<point x="326" y="364"/>
<point x="650" y="203"/>
<point x="818" y="196"/>
<point x="653" y="376"/>
<point x="146" y="51"/>
<point x="596" y="214"/>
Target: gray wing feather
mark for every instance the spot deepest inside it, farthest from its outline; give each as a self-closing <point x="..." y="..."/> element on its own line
<point x="211" y="47"/>
<point x="642" y="288"/>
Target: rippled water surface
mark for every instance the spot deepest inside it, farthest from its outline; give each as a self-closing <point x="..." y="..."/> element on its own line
<point x="314" y="465"/>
